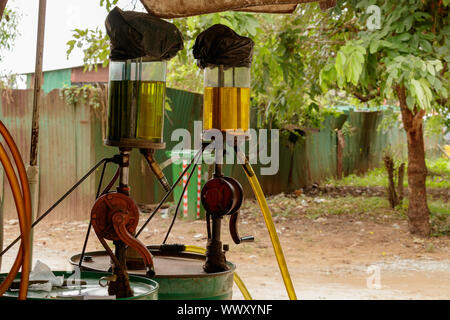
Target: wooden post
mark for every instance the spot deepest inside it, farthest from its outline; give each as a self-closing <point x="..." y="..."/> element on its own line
<point x="37" y="83"/>
<point x="33" y="169"/>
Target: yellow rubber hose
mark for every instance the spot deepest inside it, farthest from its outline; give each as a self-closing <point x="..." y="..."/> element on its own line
<point x="195" y="249"/>
<point x="236" y="277"/>
<point x="242" y="287"/>
<point x="271" y="228"/>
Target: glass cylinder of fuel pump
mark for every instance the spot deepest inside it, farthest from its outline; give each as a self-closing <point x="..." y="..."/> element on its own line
<point x="136" y="101"/>
<point x="226" y="104"/>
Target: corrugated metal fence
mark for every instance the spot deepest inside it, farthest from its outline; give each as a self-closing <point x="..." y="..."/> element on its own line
<point x="65" y="151"/>
<point x="71" y="143"/>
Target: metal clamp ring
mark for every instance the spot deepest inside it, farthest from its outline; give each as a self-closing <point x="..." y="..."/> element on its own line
<point x="104" y="281"/>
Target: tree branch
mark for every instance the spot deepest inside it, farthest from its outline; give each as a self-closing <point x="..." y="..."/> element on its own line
<point x="418" y="119"/>
<point x="444" y="69"/>
<point x="365" y="98"/>
<point x="442" y="102"/>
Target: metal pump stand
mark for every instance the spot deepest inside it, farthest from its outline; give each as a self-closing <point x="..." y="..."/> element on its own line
<point x="121" y="286"/>
<point x="215" y="255"/>
<point x="115" y="217"/>
<point x="221" y="196"/>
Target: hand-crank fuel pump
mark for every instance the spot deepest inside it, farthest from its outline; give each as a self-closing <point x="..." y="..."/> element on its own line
<point x="226" y="58"/>
<point x="135" y="120"/>
<point x="226" y="108"/>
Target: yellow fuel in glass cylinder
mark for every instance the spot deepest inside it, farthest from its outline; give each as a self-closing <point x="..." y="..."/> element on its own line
<point x="226" y="100"/>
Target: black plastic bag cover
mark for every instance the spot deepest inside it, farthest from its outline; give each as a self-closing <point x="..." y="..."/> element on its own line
<point x="137" y="34"/>
<point x="219" y="45"/>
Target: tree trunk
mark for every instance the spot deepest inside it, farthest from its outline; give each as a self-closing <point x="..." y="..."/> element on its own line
<point x="418" y="212"/>
<point x="392" y="195"/>
<point x="2" y="7"/>
<point x="340" y="154"/>
<point x="400" y="178"/>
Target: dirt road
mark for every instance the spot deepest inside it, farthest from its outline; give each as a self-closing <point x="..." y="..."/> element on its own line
<point x="331" y="257"/>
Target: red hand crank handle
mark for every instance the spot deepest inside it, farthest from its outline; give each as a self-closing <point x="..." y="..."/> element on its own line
<point x="120" y="221"/>
<point x="234" y="230"/>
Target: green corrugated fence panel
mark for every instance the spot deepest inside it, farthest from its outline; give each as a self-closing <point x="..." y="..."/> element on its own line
<point x="56" y="79"/>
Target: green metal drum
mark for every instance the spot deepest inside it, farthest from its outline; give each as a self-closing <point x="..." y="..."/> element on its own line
<point x="143" y="288"/>
<point x="215" y="286"/>
<point x="180" y="275"/>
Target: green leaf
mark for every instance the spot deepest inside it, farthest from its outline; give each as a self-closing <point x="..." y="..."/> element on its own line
<point x="426" y="46"/>
<point x="421" y="91"/>
<point x="430" y="68"/>
<point x="374" y="46"/>
<point x="403" y="37"/>
<point x="340" y="64"/>
<point x="410" y="101"/>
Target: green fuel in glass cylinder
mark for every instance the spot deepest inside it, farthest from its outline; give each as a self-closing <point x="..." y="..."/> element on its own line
<point x="151" y="110"/>
<point x="119" y="112"/>
<point x="136" y="102"/>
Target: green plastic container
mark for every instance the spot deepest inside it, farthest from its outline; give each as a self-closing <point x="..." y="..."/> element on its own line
<point x="144" y="288"/>
<point x="193" y="191"/>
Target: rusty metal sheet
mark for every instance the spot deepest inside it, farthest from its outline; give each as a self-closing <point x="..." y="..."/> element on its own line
<point x="282" y="8"/>
<point x="185" y="8"/>
<point x="78" y="75"/>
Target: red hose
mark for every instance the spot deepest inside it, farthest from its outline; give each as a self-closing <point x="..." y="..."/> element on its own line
<point x="22" y="199"/>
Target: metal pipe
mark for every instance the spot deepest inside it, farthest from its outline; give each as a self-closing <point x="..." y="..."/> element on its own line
<point x="216" y="226"/>
<point x="121" y="287"/>
<point x="111" y="183"/>
<point x="156" y="169"/>
<point x="90" y="221"/>
<point x="124" y="167"/>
